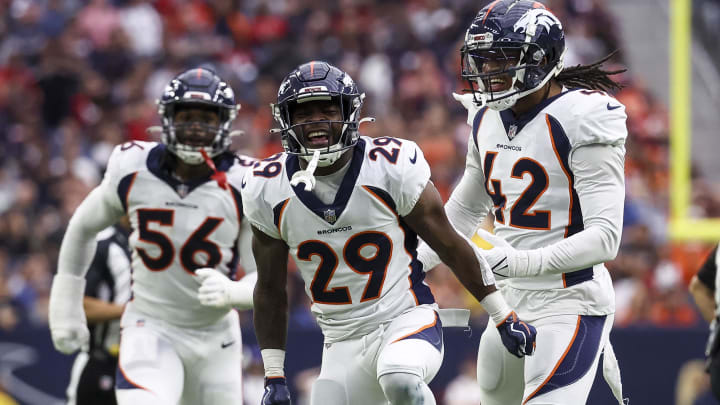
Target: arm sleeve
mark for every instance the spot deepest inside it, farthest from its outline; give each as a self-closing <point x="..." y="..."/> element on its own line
<point x="600" y="185"/>
<point x="708" y="271"/>
<point x="244" y="291"/>
<point x="469" y="202"/>
<point x="94" y="214"/>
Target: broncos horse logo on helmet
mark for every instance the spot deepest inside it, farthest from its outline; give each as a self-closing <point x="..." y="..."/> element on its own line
<point x="203" y="89"/>
<point x="512" y="48"/>
<point x="318" y="81"/>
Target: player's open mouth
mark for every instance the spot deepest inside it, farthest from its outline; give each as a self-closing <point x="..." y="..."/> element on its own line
<point x="498" y="84"/>
<point x="317" y="138"/>
<point x="195" y="141"/>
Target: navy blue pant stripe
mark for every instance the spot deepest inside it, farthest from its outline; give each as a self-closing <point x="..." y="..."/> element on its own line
<point x="579" y="357"/>
<point x="431" y="334"/>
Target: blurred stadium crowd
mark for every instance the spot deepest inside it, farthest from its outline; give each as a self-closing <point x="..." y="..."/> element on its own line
<point x="78" y="77"/>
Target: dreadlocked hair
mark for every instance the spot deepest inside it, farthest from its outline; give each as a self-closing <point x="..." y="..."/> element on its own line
<point x="591" y="77"/>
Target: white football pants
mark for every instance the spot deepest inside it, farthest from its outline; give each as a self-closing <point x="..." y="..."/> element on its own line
<point x="410" y="344"/>
<point x="561" y="371"/>
<point x="162" y="364"/>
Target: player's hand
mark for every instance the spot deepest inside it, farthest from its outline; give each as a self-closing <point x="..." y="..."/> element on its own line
<point x="68" y="325"/>
<point x="276" y="392"/>
<point x="505" y="261"/>
<point x="70" y="339"/>
<point x="517" y="336"/>
<point x="215" y="288"/>
<point x="494" y="250"/>
<point x="468" y="101"/>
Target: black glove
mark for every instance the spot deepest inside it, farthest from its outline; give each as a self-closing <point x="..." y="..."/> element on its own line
<point x="517" y="336"/>
<point x="276" y="392"/>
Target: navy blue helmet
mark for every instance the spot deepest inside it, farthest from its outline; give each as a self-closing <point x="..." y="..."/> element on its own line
<point x="318" y="81"/>
<point x="512" y="48"/>
<point x="198" y="88"/>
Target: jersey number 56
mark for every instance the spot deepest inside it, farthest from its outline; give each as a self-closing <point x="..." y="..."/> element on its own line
<point x="196" y="243"/>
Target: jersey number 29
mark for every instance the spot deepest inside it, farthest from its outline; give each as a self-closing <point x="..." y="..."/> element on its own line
<point x="375" y="266"/>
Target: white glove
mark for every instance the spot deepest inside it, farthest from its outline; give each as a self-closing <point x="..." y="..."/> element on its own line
<point x="68" y="325"/>
<point x="217" y="290"/>
<point x="468" y="101"/>
<point x="506" y="261"/>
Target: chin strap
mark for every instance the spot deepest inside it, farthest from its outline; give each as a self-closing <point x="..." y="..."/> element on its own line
<point x="306" y="176"/>
<point x="217" y="176"/>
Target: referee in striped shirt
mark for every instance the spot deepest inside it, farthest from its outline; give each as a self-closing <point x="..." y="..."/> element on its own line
<point x="705" y="291"/>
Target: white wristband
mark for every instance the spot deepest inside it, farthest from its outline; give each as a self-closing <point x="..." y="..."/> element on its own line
<point x="496" y="307"/>
<point x="241" y="291"/>
<point x="66" y="300"/>
<point x="427" y="257"/>
<point x="274" y="362"/>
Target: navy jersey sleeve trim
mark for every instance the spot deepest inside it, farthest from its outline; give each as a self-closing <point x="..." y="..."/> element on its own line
<point x="237" y="197"/>
<point x="476" y="124"/>
<point x="278" y="212"/>
<point x="419" y="289"/>
<point x="576" y="277"/>
<point x="562" y="147"/>
<point x="384" y="196"/>
<point x="124" y="187"/>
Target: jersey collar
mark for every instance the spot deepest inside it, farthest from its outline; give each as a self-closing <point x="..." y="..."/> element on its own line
<point x="160" y="164"/>
<point x="513" y="125"/>
<point x="334" y="209"/>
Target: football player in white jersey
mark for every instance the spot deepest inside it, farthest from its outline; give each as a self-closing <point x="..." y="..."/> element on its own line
<point x="180" y="340"/>
<point x="348" y="210"/>
<point x="546" y="155"/>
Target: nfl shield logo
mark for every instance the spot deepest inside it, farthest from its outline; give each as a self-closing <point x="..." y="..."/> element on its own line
<point x="182" y="190"/>
<point x="512" y="131"/>
<point x="329" y="215"/>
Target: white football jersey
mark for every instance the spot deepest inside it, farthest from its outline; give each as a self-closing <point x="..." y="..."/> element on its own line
<point x="356" y="255"/>
<point x="526" y="165"/>
<point x="177" y="228"/>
